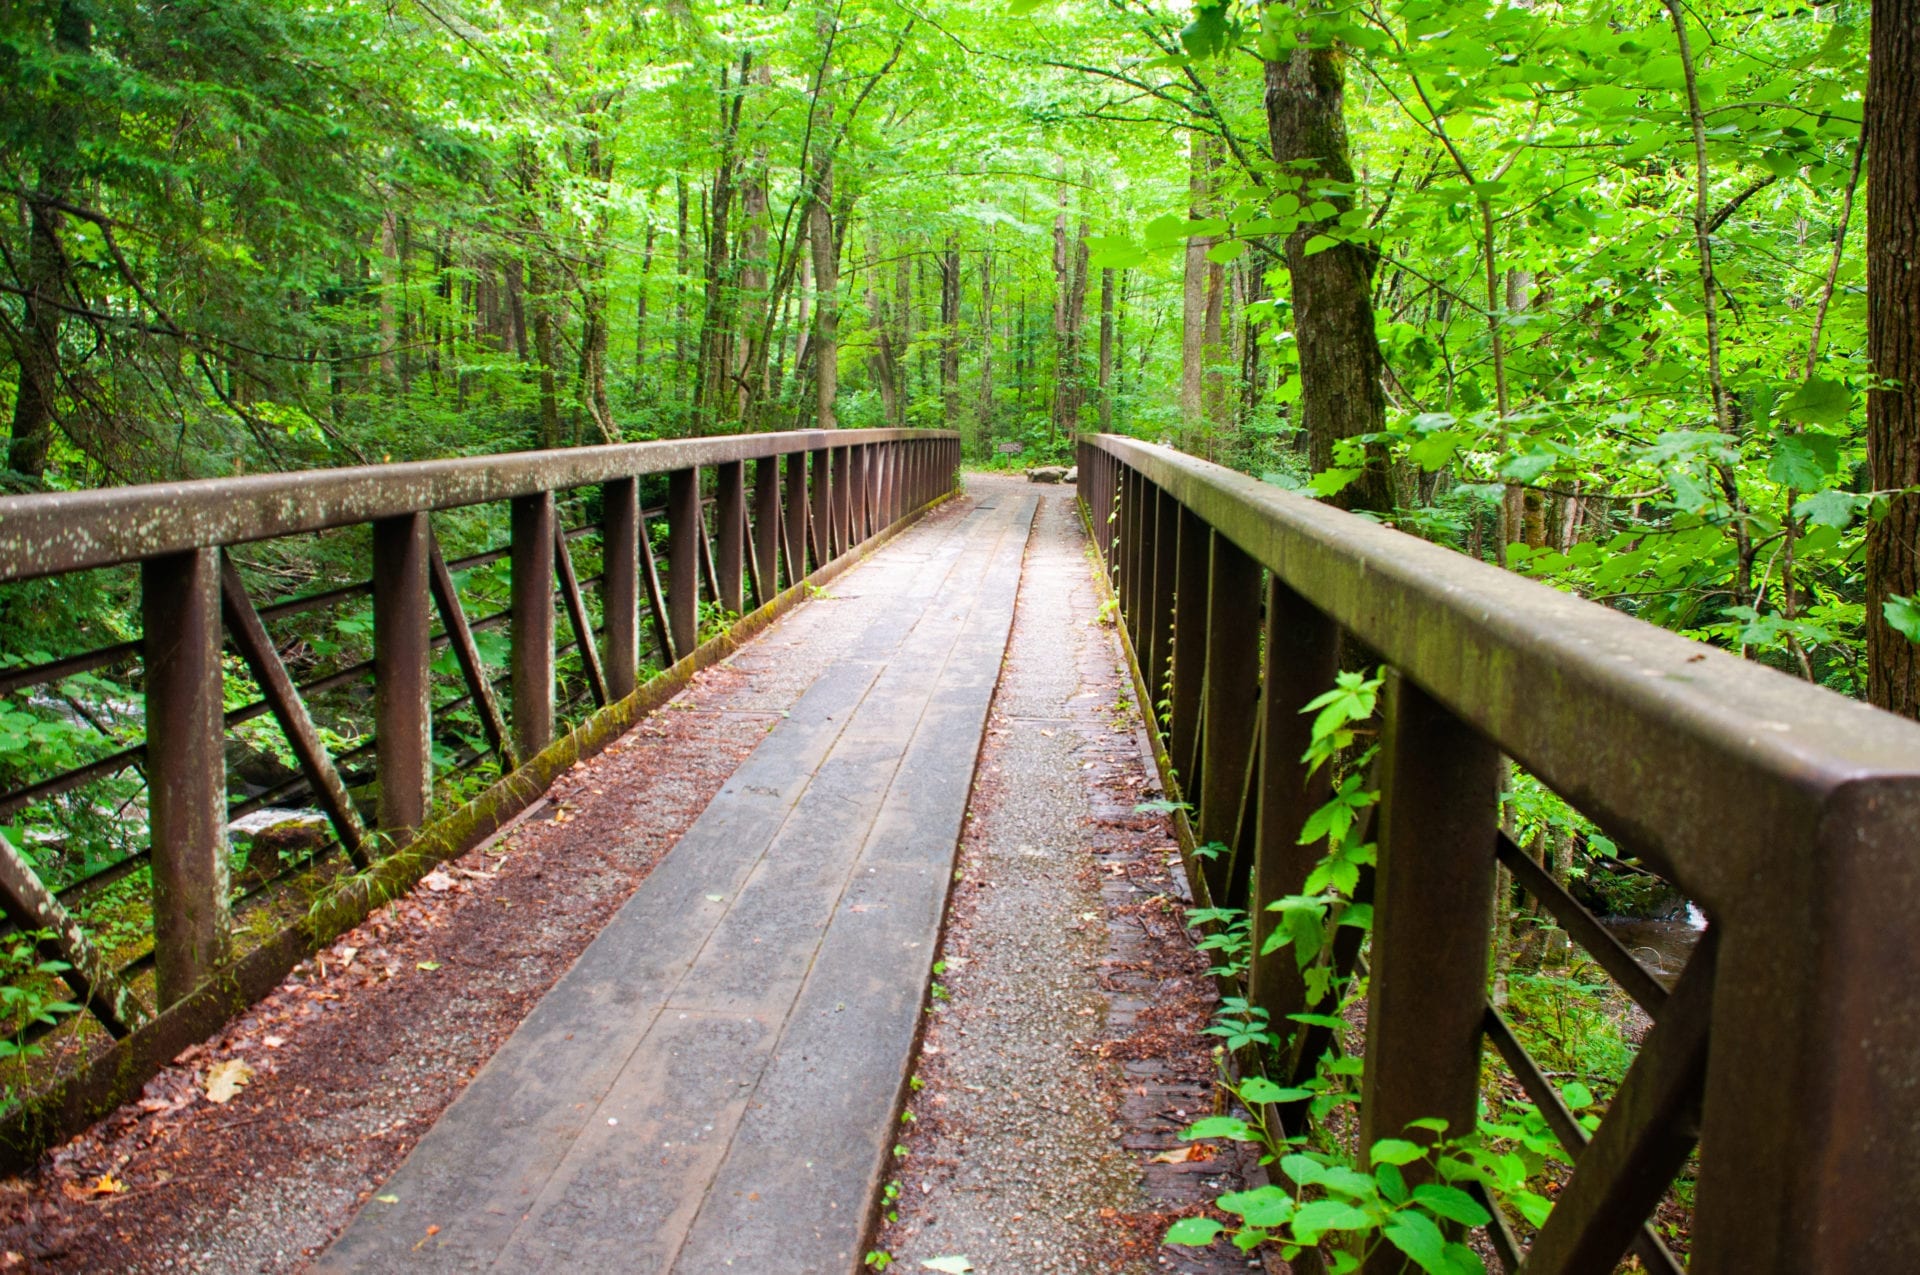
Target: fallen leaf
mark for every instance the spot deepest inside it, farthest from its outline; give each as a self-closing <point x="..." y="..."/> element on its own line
<point x="437" y="881"/>
<point x="109" y="1185"/>
<point x="952" y="1265"/>
<point x="433" y="1230"/>
<point x="428" y="966"/>
<point x="224" y="1079"/>
<point x="273" y="1042"/>
<point x="387" y="1199"/>
<point x="1192" y="1153"/>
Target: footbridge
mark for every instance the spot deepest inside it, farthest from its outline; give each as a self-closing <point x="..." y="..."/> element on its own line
<point x="718" y="1080"/>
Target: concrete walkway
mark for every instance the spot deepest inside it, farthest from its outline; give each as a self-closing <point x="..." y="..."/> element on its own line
<point x="713" y="1085"/>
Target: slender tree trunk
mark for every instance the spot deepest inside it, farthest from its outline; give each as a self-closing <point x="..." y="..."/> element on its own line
<point x="389" y="284"/>
<point x="640" y="309"/>
<point x="1342" y="395"/>
<point x="1193" y="292"/>
<point x="1106" y="351"/>
<point x="750" y="371"/>
<point x="682" y="260"/>
<point x="950" y="334"/>
<point x="984" y="399"/>
<point x="1893" y="345"/>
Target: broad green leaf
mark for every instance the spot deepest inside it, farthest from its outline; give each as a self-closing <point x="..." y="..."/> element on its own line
<point x="1197" y="1232"/>
<point x="1451" y="1203"/>
<point x="1266" y="1206"/>
<point x="1397" y="1151"/>
<point x="1818" y="401"/>
<point x="1904" y="615"/>
<point x="1417" y="1235"/>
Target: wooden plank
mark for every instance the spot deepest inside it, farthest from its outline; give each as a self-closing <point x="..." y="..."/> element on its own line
<point x="620" y="583"/>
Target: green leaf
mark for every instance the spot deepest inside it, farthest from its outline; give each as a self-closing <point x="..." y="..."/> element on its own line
<point x="1259" y="1090"/>
<point x="1828" y="508"/>
<point x="1318" y="244"/>
<point x="1231" y="1127"/>
<point x="1230" y="250"/>
<point x="1419" y="1237"/>
<point x="1195" y="1231"/>
<point x="1321" y="1216"/>
<point x="1266" y="1206"/>
<point x="1904" y="615"/>
<point x="1450" y="1202"/>
<point x="1818" y="401"/>
<point x="1397" y="1151"/>
<point x="1576" y="1095"/>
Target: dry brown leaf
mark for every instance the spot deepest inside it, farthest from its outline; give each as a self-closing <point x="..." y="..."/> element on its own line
<point x="224" y="1079"/>
<point x="1192" y="1153"/>
<point x="109" y="1185"/>
<point x="437" y="881"/>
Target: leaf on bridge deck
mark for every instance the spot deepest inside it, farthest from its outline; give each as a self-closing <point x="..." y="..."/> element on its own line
<point x="225" y="1079"/>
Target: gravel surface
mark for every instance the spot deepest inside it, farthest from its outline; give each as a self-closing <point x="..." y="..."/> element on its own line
<point x="1027" y="1149"/>
<point x="358" y="1051"/>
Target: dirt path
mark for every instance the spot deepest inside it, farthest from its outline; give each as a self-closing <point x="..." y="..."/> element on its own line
<point x="1065" y="1051"/>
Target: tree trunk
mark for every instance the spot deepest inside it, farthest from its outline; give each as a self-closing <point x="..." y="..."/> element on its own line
<point x="950" y="335"/>
<point x="1893" y="345"/>
<point x="682" y="259"/>
<point x="826" y="300"/>
<point x="1106" y="351"/>
<point x="1193" y="292"/>
<point x="389" y="284"/>
<point x="1073" y="310"/>
<point x="750" y="370"/>
<point x="985" y="399"/>
<point x="640" y="310"/>
<point x="1340" y="363"/>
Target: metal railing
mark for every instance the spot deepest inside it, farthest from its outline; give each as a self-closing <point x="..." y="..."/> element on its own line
<point x="814" y="497"/>
<point x="1789" y="1048"/>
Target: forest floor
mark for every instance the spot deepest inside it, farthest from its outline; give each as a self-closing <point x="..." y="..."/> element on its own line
<point x="356" y="1054"/>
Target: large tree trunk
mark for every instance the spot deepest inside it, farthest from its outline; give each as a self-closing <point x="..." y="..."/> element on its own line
<point x="1893" y="344"/>
<point x="826" y="300"/>
<point x="1072" y="319"/>
<point x="712" y="398"/>
<point x="1340" y="362"/>
<point x="38" y="353"/>
<point x="750" y="369"/>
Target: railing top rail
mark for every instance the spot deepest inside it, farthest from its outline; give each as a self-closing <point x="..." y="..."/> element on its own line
<point x="1725" y="774"/>
<point x="47" y="534"/>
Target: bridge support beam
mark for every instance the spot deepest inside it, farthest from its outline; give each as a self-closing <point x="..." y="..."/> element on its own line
<point x="1433" y="919"/>
<point x="730" y="528"/>
<point x="532" y="623"/>
<point x="186" y="768"/>
<point x="1232" y="697"/>
<point x="620" y="583"/>
<point x="766" y="529"/>
<point x="683" y="559"/>
<point x="403" y="737"/>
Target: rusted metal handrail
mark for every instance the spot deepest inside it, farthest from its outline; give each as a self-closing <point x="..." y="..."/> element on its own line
<point x="1790" y="814"/>
<point x="816" y="494"/>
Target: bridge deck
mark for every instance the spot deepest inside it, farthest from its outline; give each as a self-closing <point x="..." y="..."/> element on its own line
<point x="713" y="1084"/>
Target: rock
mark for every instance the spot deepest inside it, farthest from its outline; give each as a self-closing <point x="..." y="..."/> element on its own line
<point x="1073" y="475"/>
<point x="1046" y="474"/>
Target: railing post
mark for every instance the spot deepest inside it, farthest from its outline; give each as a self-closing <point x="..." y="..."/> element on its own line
<point x="796" y="517"/>
<point x="1432" y="920"/>
<point x="1227" y="730"/>
<point x="1189" y="648"/>
<point x="890" y="481"/>
<point x="820" y="474"/>
<point x="730" y="517"/>
<point x="532" y="623"/>
<point x="1302" y="659"/>
<point x="683" y="559"/>
<point x="403" y="730"/>
<point x="766" y="528"/>
<point x="186" y="768"/>
<point x="841" y="517"/>
<point x="862" y="495"/>
<point x="620" y="583"/>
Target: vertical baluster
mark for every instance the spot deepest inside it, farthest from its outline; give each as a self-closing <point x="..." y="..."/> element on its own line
<point x="1302" y="657"/>
<point x="620" y="583"/>
<point x="730" y="517"/>
<point x="862" y="494"/>
<point x="532" y="623"/>
<point x="403" y="731"/>
<point x="841" y="514"/>
<point x="1227" y="727"/>
<point x="797" y="519"/>
<point x="1433" y="915"/>
<point x="186" y="768"/>
<point x="820" y="473"/>
<point x="1162" y="553"/>
<point x="766" y="529"/>
<point x="684" y="532"/>
<point x="1189" y="648"/>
